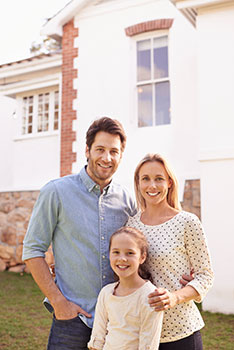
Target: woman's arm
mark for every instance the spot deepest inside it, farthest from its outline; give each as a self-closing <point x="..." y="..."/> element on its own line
<point x="199" y="257"/>
<point x="161" y="299"/>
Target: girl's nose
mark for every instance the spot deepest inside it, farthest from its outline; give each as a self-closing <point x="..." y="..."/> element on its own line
<point x="123" y="258"/>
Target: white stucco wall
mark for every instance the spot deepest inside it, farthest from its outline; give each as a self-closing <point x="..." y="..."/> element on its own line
<point x="7" y="109"/>
<point x="216" y="110"/>
<point x="27" y="163"/>
<point x="106" y="84"/>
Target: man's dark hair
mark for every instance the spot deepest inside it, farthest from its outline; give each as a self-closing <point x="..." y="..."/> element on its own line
<point x="111" y="126"/>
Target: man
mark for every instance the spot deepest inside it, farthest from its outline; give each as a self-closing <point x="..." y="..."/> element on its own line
<point x="78" y="214"/>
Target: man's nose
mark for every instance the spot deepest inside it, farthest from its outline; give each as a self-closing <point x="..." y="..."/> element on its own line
<point x="106" y="156"/>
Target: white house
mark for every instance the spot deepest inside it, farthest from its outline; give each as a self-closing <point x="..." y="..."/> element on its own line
<point x="145" y="63"/>
<point x="214" y="21"/>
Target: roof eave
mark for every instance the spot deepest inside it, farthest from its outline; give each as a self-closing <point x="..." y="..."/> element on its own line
<point x="54" y="27"/>
<point x="196" y="4"/>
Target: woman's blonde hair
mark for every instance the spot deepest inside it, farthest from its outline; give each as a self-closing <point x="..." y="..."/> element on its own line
<point x="172" y="196"/>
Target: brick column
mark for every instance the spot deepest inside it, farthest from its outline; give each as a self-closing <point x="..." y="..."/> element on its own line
<point x="68" y="136"/>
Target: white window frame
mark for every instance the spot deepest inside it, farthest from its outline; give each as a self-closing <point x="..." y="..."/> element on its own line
<point x="150" y="36"/>
<point x="35" y="94"/>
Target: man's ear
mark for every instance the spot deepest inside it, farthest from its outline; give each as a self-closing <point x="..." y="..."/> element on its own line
<point x="87" y="152"/>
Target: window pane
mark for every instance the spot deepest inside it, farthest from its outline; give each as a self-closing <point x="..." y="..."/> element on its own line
<point x="160" y="57"/>
<point x="56" y="109"/>
<point x="145" y="105"/>
<point x="143" y="60"/>
<point x="162" y="97"/>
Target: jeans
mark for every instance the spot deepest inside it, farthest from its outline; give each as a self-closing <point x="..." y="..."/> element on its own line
<point x="192" y="342"/>
<point x="68" y="335"/>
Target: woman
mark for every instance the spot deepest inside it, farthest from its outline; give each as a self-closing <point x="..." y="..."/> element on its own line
<point x="177" y="245"/>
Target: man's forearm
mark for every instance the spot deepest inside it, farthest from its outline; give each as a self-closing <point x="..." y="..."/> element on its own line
<point x="42" y="276"/>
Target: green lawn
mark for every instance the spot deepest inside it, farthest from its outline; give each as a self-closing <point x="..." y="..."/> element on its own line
<point x="25" y="323"/>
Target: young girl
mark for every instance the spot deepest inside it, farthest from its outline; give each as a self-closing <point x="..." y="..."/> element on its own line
<point x="123" y="317"/>
<point x="177" y="245"/>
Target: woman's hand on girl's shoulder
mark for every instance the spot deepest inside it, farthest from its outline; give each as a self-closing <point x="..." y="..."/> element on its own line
<point x="161" y="299"/>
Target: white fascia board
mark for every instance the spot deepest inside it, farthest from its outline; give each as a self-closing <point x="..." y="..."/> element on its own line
<point x="11" y="90"/>
<point x="216" y="155"/>
<point x="29" y="67"/>
<point x="54" y="27"/>
<point x="183" y="4"/>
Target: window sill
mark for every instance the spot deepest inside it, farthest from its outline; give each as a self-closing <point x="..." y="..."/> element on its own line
<point x="36" y="136"/>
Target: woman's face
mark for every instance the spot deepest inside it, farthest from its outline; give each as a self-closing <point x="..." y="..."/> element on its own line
<point x="154" y="183"/>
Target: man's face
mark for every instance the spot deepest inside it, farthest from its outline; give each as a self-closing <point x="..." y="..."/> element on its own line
<point x="103" y="157"/>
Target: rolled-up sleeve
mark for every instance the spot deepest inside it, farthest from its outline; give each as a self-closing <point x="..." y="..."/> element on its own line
<point x="198" y="252"/>
<point x="42" y="223"/>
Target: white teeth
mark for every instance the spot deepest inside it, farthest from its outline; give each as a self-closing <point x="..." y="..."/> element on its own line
<point x="104" y="166"/>
<point x="153" y="194"/>
<point x="122" y="266"/>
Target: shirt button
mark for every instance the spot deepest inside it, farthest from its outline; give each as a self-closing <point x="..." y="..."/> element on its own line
<point x="103" y="237"/>
<point x="103" y="276"/>
<point x="103" y="257"/>
<point x="102" y="218"/>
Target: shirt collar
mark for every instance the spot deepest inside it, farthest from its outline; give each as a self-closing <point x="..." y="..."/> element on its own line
<point x="90" y="184"/>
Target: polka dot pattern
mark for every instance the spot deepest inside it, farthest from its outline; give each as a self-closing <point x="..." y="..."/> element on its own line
<point x="175" y="247"/>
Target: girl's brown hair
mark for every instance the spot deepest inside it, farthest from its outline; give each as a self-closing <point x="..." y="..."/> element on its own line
<point x="142" y="244"/>
<point x="172" y="196"/>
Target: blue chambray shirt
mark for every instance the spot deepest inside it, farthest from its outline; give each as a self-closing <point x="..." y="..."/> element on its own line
<point x="78" y="219"/>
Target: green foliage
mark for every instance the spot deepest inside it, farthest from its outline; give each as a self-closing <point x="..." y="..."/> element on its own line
<point x="25" y="323"/>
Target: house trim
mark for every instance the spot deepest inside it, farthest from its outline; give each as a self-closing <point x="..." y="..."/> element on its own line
<point x="149" y="26"/>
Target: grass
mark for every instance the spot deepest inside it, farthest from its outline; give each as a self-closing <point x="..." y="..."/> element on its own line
<point x="25" y="323"/>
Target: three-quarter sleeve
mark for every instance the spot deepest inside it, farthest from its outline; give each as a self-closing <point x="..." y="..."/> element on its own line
<point x="99" y="330"/>
<point x="199" y="256"/>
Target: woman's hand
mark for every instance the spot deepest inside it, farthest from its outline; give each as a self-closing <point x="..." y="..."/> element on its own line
<point x="161" y="299"/>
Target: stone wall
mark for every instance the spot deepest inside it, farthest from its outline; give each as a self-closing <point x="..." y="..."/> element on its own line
<point x="15" y="212"/>
<point x="191" y="201"/>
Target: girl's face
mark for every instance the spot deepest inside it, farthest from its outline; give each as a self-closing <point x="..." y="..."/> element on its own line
<point x="154" y="183"/>
<point x="125" y="256"/>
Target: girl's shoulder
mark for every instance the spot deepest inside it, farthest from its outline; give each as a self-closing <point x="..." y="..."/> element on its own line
<point x="109" y="288"/>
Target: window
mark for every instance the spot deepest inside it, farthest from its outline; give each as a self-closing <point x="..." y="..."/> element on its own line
<point x="153" y="85"/>
<point x="40" y="113"/>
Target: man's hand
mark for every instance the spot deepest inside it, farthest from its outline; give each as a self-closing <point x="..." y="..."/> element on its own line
<point x="187" y="278"/>
<point x="66" y="310"/>
<point x="161" y="299"/>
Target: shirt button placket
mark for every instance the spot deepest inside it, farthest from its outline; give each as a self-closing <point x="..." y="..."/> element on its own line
<point x="102" y="241"/>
